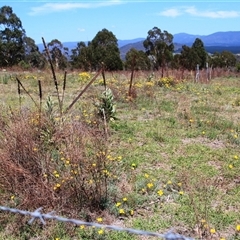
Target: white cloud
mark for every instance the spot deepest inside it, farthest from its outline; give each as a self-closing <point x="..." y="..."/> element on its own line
<point x="172" y="12"/>
<point x="212" y="14"/>
<point x="81" y="29"/>
<point x="60" y="7"/>
<point x="193" y="11"/>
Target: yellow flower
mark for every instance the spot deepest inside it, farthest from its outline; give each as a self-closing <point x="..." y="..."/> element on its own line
<point x="235" y="157"/>
<point x="131" y="212"/>
<point x="106" y="172"/>
<point x="90" y="181"/>
<point x="238" y="228"/>
<point x="230" y="166"/>
<point x="82" y="226"/>
<point x="121" y="211"/>
<point x="100" y="231"/>
<point x="150" y="185"/>
<point x="146" y="175"/>
<point x="160" y="192"/>
<point x="99" y="219"/>
<point x="12" y="197"/>
<point x="57" y="186"/>
<point x="118" y="204"/>
<point x="212" y="230"/>
<point x="124" y="199"/>
<point x="181" y="192"/>
<point x="179" y="184"/>
<point x="134" y="165"/>
<point x="169" y="182"/>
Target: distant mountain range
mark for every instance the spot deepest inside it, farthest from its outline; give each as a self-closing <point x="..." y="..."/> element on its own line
<point x="216" y="42"/>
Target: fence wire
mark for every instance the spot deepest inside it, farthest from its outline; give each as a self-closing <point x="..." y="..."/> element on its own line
<point x="41" y="216"/>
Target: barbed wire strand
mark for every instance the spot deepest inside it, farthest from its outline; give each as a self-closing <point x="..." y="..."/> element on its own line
<point x="41" y="216"/>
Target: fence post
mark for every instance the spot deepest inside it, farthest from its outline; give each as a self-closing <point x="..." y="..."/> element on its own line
<point x="207" y="71"/>
<point x="197" y="74"/>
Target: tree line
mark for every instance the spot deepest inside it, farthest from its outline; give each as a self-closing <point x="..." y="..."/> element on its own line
<point x="16" y="48"/>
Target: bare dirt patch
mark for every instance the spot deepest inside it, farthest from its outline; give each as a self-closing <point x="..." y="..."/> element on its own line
<point x="215" y="144"/>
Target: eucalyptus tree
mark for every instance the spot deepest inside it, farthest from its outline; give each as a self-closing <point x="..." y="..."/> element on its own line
<point x="225" y="59"/>
<point x="188" y="58"/>
<point x="198" y="48"/>
<point x="105" y="51"/>
<point x="79" y="57"/>
<point x="58" y="53"/>
<point x="33" y="57"/>
<point x="159" y="44"/>
<point x="137" y="60"/>
<point x="11" y="37"/>
<point x="175" y="63"/>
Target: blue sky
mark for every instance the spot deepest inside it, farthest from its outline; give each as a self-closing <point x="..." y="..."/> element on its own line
<point x="70" y="21"/>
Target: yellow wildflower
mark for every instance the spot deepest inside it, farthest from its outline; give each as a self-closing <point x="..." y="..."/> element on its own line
<point x="121" y="211"/>
<point x="160" y="192"/>
<point x="212" y="230"/>
<point x="238" y="228"/>
<point x="134" y="165"/>
<point x="150" y="185"/>
<point x="99" y="219"/>
<point x="100" y="231"/>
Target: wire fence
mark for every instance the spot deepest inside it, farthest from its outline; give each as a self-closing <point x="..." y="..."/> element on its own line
<point x="37" y="215"/>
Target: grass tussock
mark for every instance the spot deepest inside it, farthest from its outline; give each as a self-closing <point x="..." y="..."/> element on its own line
<point x="54" y="162"/>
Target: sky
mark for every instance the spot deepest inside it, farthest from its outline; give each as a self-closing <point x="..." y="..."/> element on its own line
<point x="75" y="21"/>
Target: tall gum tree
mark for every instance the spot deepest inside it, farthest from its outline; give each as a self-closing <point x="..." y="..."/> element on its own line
<point x="198" y="48"/>
<point x="11" y="38"/>
<point x="105" y="50"/>
<point x="159" y="44"/>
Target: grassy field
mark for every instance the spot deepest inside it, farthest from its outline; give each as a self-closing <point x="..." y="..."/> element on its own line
<point x="169" y="159"/>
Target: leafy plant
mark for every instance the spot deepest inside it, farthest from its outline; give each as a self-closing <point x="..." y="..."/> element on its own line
<point x="106" y="106"/>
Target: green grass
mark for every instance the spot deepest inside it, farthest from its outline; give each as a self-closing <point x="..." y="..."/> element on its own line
<point x="183" y="140"/>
